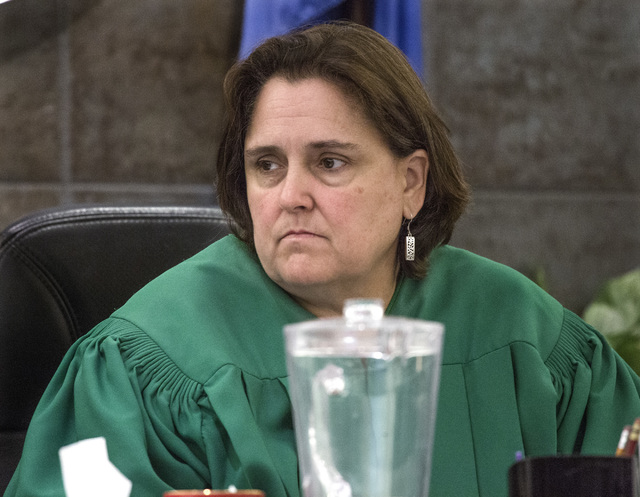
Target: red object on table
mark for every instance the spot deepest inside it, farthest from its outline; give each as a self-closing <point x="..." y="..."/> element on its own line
<point x="214" y="493"/>
<point x="632" y="442"/>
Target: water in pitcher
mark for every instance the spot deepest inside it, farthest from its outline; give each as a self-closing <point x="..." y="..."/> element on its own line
<point x="365" y="423"/>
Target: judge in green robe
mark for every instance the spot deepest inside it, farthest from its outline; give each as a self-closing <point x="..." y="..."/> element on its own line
<point x="332" y="155"/>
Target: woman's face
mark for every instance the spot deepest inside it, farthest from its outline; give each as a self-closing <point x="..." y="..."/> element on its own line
<point x="326" y="195"/>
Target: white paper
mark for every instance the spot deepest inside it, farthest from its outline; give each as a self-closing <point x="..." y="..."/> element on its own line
<point x="86" y="470"/>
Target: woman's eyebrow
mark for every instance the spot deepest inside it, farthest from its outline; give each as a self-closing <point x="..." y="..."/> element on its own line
<point x="262" y="150"/>
<point x="317" y="145"/>
<point x="320" y="145"/>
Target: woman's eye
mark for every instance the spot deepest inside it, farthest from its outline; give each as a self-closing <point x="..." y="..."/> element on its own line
<point x="329" y="163"/>
<point x="267" y="165"/>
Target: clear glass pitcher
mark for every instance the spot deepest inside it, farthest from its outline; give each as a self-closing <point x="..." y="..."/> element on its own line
<point x="364" y="392"/>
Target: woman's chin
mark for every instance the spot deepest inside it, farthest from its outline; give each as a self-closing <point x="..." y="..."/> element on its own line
<point x="303" y="279"/>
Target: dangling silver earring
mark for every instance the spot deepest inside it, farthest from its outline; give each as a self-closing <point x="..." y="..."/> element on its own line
<point x="410" y="244"/>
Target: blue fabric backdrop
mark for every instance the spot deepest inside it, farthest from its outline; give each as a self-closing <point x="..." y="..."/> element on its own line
<point x="398" y="20"/>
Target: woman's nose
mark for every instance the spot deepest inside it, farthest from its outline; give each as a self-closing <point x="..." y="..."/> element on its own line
<point x="295" y="193"/>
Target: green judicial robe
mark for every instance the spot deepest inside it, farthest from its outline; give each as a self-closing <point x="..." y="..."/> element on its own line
<point x="188" y="384"/>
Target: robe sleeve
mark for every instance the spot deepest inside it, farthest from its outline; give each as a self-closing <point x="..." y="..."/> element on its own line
<point x="583" y="386"/>
<point x="150" y="415"/>
<point x="597" y="392"/>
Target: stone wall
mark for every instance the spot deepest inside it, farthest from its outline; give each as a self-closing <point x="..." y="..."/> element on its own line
<point x="118" y="102"/>
<point x="112" y="101"/>
<point x="543" y="102"/>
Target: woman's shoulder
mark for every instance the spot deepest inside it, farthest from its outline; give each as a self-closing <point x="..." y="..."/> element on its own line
<point x="484" y="305"/>
<point x="493" y="284"/>
<point x="471" y="267"/>
<point x="136" y="353"/>
<point x="216" y="308"/>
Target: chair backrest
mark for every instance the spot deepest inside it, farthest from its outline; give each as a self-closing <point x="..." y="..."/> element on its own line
<point x="62" y="271"/>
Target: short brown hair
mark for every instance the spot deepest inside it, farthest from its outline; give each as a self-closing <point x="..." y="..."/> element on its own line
<point x="369" y="69"/>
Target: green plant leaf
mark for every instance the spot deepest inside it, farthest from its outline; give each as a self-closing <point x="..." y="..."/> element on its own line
<point x="615" y="312"/>
<point x="606" y="319"/>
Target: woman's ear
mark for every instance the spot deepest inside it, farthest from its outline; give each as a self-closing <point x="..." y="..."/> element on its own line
<point x="416" y="172"/>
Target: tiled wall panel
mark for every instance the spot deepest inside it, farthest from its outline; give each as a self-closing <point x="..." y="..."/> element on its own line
<point x="540" y="95"/>
<point x="29" y="114"/>
<point x="576" y="240"/>
<point x="146" y="104"/>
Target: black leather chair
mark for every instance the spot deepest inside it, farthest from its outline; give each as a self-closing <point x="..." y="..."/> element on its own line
<point x="62" y="271"/>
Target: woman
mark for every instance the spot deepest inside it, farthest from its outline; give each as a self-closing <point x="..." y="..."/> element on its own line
<point x="332" y="158"/>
